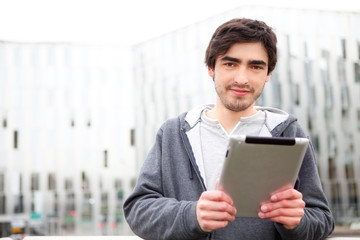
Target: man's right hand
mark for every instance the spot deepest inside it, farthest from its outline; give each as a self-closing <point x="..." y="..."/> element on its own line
<point x="214" y="210"/>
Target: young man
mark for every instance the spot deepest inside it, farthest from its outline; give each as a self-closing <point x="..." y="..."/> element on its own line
<point x="176" y="195"/>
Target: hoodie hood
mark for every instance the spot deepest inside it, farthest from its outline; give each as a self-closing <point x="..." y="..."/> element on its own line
<point x="276" y="120"/>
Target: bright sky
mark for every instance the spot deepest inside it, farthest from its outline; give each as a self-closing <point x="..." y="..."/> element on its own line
<point x="122" y="22"/>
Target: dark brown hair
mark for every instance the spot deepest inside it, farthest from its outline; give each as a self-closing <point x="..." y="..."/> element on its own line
<point x="241" y="30"/>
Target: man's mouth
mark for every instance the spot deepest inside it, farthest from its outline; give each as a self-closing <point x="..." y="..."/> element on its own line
<point x="239" y="92"/>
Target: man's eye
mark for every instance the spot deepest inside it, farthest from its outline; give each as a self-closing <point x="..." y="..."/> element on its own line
<point x="258" y="67"/>
<point x="229" y="64"/>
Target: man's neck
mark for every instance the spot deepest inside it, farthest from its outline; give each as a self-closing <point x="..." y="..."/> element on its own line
<point x="228" y="118"/>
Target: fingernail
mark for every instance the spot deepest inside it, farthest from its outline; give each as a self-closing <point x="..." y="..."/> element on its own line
<point x="273" y="198"/>
<point x="261" y="214"/>
<point x="264" y="208"/>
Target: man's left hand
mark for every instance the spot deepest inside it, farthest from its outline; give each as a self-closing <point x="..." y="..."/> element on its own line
<point x="286" y="207"/>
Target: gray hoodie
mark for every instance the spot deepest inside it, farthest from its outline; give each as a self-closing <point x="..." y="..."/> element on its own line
<point x="163" y="203"/>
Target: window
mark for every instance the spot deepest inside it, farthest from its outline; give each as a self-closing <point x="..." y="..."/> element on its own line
<point x="357" y="72"/>
<point x="87" y="207"/>
<point x="295" y="93"/>
<point x="118" y="184"/>
<point x="345" y="100"/>
<point x="85" y="181"/>
<point x="343" y="48"/>
<point x="341" y="69"/>
<point x="34" y="182"/>
<point x="353" y="210"/>
<point x="316" y="143"/>
<point x="332" y="168"/>
<point x="105" y="158"/>
<point x="349" y="170"/>
<point x="52" y="181"/>
<point x="104" y="207"/>
<point x="15" y="139"/>
<point x="2" y="182"/>
<point x="276" y="90"/>
<point x="19" y="203"/>
<point x="308" y="71"/>
<point x="2" y="203"/>
<point x="336" y="200"/>
<point x="329" y="97"/>
<point x="68" y="184"/>
<point x="132" y="137"/>
<point x="312" y="102"/>
<point x="2" y="194"/>
<point x="358" y="119"/>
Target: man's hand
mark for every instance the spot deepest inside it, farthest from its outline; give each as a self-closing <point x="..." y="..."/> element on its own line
<point x="214" y="210"/>
<point x="286" y="207"/>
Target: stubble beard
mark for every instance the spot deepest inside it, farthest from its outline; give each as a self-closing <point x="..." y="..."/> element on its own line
<point x="240" y="103"/>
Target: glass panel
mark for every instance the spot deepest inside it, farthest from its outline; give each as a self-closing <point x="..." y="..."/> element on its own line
<point x="119" y="214"/>
<point x="357" y="72"/>
<point x="34" y="181"/>
<point x="2" y="203"/>
<point x="353" y="210"/>
<point x="19" y="203"/>
<point x="349" y="170"/>
<point x="104" y="212"/>
<point x="276" y="91"/>
<point x="87" y="207"/>
<point x="68" y="184"/>
<point x="343" y="48"/>
<point x="85" y="181"/>
<point x="336" y="201"/>
<point x="70" y="212"/>
<point x="2" y="182"/>
<point x="52" y="181"/>
<point x="332" y="168"/>
<point x="358" y="119"/>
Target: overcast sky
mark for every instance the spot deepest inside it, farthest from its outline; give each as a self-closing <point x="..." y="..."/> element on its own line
<point x="122" y="22"/>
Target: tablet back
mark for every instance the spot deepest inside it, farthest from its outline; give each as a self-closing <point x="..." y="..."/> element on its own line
<point x="255" y="167"/>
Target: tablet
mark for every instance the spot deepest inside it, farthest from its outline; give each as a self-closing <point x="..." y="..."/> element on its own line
<point x="255" y="167"/>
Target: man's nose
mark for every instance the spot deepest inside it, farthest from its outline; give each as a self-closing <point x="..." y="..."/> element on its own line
<point x="241" y="76"/>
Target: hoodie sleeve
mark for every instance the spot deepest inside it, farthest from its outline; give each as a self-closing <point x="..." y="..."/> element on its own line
<point x="150" y="214"/>
<point x="318" y="221"/>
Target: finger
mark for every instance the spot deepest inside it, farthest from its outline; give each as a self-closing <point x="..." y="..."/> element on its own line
<point x="270" y="206"/>
<point x="216" y="216"/>
<point x="217" y="195"/>
<point x="282" y="212"/>
<point x="286" y="194"/>
<point x="216" y="207"/>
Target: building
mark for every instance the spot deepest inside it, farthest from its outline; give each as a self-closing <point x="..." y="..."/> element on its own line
<point x="65" y="138"/>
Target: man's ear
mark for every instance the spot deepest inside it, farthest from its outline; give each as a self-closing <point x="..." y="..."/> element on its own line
<point x="267" y="77"/>
<point x="211" y="72"/>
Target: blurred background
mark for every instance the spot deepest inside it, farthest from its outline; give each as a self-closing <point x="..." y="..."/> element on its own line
<point x="84" y="86"/>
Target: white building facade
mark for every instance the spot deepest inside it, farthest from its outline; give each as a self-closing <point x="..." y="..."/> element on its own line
<point x="65" y="138"/>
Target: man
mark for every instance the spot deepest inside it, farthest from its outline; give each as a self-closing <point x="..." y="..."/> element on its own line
<point x="176" y="196"/>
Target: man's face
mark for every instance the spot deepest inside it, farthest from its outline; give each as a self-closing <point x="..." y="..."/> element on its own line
<point x="240" y="75"/>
